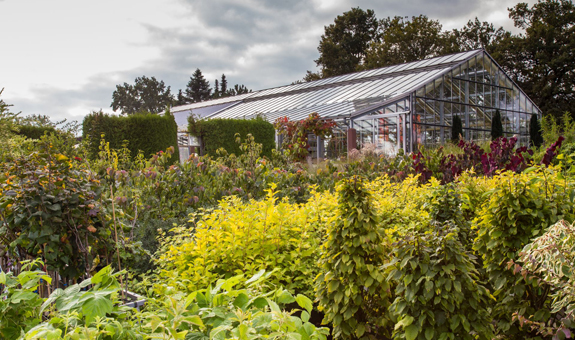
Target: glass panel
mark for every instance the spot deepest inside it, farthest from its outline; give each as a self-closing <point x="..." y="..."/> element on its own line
<point x="516" y="98"/>
<point x="446" y="114"/>
<point x="491" y="70"/>
<point x="480" y="69"/>
<point x="446" y="89"/>
<point x="488" y="95"/>
<point x="524" y="123"/>
<point x="507" y="121"/>
<point x="458" y="92"/>
<point x="522" y="102"/>
<point x="529" y="106"/>
<point x="472" y="93"/>
<point x="388" y="135"/>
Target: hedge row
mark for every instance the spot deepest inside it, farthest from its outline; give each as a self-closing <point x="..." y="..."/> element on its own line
<point x="220" y="133"/>
<point x="35" y="132"/>
<point x="147" y="132"/>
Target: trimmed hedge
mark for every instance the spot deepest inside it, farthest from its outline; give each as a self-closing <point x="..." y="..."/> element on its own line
<point x="220" y="133"/>
<point x="150" y="133"/>
<point x="35" y="132"/>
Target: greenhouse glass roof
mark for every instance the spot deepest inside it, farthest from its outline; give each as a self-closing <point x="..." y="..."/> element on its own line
<point x="336" y="97"/>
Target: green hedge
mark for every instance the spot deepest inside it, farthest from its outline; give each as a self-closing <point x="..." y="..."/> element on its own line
<point x="220" y="133"/>
<point x="147" y="132"/>
<point x="35" y="132"/>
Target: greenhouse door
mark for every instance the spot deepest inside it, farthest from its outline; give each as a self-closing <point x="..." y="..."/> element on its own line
<point x="388" y="132"/>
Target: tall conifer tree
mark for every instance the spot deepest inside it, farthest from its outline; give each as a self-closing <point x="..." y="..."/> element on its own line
<point x="198" y="88"/>
<point x="216" y="90"/>
<point x="224" y="85"/>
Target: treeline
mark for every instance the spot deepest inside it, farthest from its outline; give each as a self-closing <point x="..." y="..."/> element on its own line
<point x="540" y="59"/>
<point x="152" y="95"/>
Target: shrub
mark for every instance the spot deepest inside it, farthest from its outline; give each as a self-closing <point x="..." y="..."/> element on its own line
<point x="438" y="295"/>
<point x="296" y="133"/>
<point x="50" y="206"/>
<point x="35" y="132"/>
<point x="535" y="136"/>
<point x="456" y="129"/>
<point x="247" y="237"/>
<point x="351" y="290"/>
<point x="551" y="129"/>
<point x="520" y="206"/>
<point x="147" y="132"/>
<point x="221" y="133"/>
<point x="551" y="258"/>
<point x="496" y="126"/>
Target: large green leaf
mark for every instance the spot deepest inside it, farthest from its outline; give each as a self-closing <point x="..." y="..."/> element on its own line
<point x="97" y="304"/>
<point x="411" y="332"/>
<point x="304" y="302"/>
<point x="22" y="296"/>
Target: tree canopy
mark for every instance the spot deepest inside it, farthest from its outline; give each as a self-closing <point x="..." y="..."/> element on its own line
<point x="343" y="46"/>
<point x="540" y="59"/>
<point x="403" y="40"/>
<point x="147" y="94"/>
<point x="8" y="120"/>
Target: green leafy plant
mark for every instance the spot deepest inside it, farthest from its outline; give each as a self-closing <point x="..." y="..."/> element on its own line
<point x="19" y="301"/>
<point x="438" y="295"/>
<point x="215" y="134"/>
<point x="88" y="310"/>
<point x="50" y="207"/>
<point x="225" y="312"/>
<point x="296" y="133"/>
<point x="520" y="207"/>
<point x="550" y="258"/>
<point x="351" y="290"/>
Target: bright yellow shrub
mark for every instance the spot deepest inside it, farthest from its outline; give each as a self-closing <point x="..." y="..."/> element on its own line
<point x="240" y="237"/>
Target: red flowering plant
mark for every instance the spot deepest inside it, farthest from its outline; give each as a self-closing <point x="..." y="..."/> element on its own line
<point x="296" y="133"/>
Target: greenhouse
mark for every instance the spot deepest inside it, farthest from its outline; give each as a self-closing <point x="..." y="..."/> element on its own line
<point x="396" y="107"/>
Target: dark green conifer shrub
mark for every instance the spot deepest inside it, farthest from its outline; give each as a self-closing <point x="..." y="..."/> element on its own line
<point x="535" y="136"/>
<point x="496" y="126"/>
<point x="456" y="129"/>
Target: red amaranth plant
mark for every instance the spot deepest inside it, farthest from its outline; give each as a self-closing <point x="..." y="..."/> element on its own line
<point x="503" y="156"/>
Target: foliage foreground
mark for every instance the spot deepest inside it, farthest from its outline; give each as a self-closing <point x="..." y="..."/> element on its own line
<point x="474" y="244"/>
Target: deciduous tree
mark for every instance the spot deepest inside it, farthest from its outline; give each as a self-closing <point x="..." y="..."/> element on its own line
<point x="476" y="34"/>
<point x="541" y="58"/>
<point x="343" y="46"/>
<point x="147" y="94"/>
<point x="403" y="40"/>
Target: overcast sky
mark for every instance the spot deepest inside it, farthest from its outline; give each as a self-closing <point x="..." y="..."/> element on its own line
<point x="63" y="58"/>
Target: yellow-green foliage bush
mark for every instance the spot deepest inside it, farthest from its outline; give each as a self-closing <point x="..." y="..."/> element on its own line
<point x="240" y="237"/>
<point x="519" y="208"/>
<point x="399" y="205"/>
<point x="272" y="233"/>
